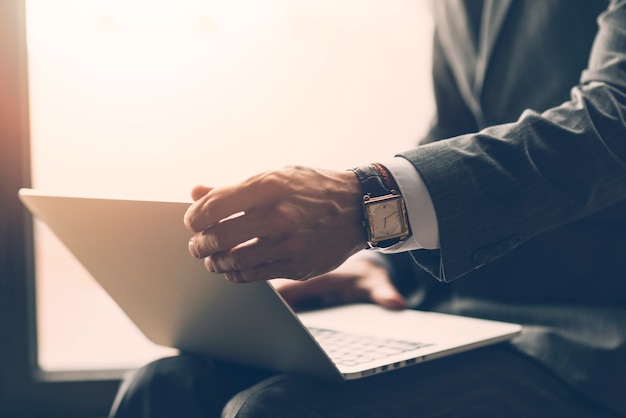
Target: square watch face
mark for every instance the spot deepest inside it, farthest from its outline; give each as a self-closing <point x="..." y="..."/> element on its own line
<point x="386" y="217"/>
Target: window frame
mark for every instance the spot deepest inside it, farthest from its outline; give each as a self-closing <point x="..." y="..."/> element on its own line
<point x="25" y="389"/>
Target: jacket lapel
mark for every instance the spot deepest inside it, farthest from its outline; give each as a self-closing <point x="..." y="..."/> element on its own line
<point x="493" y="17"/>
<point x="469" y="57"/>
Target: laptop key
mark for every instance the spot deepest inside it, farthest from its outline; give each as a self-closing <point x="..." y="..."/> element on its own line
<point x="352" y="349"/>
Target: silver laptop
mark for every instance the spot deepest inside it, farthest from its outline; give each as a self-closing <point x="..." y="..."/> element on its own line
<point x="137" y="251"/>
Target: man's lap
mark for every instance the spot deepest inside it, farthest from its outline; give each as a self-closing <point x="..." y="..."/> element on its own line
<point x="494" y="381"/>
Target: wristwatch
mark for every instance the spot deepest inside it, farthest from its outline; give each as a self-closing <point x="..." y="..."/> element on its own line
<point x="385" y="219"/>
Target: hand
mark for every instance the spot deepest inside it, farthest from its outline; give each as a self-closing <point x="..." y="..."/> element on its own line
<point x="294" y="223"/>
<point x="357" y="280"/>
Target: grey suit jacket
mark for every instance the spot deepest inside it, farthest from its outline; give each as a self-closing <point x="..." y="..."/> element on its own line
<point x="526" y="166"/>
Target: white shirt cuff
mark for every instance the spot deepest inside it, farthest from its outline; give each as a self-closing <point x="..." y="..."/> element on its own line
<point x="419" y="206"/>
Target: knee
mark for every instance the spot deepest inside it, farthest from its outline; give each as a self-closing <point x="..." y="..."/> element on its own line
<point x="254" y="404"/>
<point x="163" y="374"/>
<point x="160" y="385"/>
<point x="269" y="399"/>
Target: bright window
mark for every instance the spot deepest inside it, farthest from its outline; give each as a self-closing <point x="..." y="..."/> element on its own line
<point x="146" y="98"/>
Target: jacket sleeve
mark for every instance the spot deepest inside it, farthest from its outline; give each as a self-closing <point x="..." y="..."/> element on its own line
<point x="505" y="185"/>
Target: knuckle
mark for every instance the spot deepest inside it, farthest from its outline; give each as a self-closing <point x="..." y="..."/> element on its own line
<point x="212" y="239"/>
<point x="274" y="181"/>
<point x="230" y="262"/>
<point x="195" y="218"/>
<point x="270" y="181"/>
<point x="189" y="221"/>
<point x="193" y="247"/>
<point x="209" y="264"/>
<point x="236" y="259"/>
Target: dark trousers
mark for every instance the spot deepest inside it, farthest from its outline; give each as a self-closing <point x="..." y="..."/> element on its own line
<point x="489" y="382"/>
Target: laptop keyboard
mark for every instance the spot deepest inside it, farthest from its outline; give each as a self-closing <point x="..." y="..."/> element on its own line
<point x="352" y="349"/>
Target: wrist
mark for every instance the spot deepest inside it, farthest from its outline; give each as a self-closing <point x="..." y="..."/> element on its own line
<point x="354" y="208"/>
<point x="384" y="216"/>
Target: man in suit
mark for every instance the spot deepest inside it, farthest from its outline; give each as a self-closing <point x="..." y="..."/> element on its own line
<point x="515" y="201"/>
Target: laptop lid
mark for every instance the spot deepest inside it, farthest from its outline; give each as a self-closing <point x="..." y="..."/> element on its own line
<point x="137" y="251"/>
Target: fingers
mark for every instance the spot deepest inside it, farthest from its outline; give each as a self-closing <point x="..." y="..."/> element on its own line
<point x="247" y="256"/>
<point x="220" y="203"/>
<point x="268" y="228"/>
<point x="223" y="235"/>
<point x="354" y="281"/>
<point x="295" y="222"/>
<point x="260" y="272"/>
<point x="249" y="262"/>
<point x="379" y="287"/>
